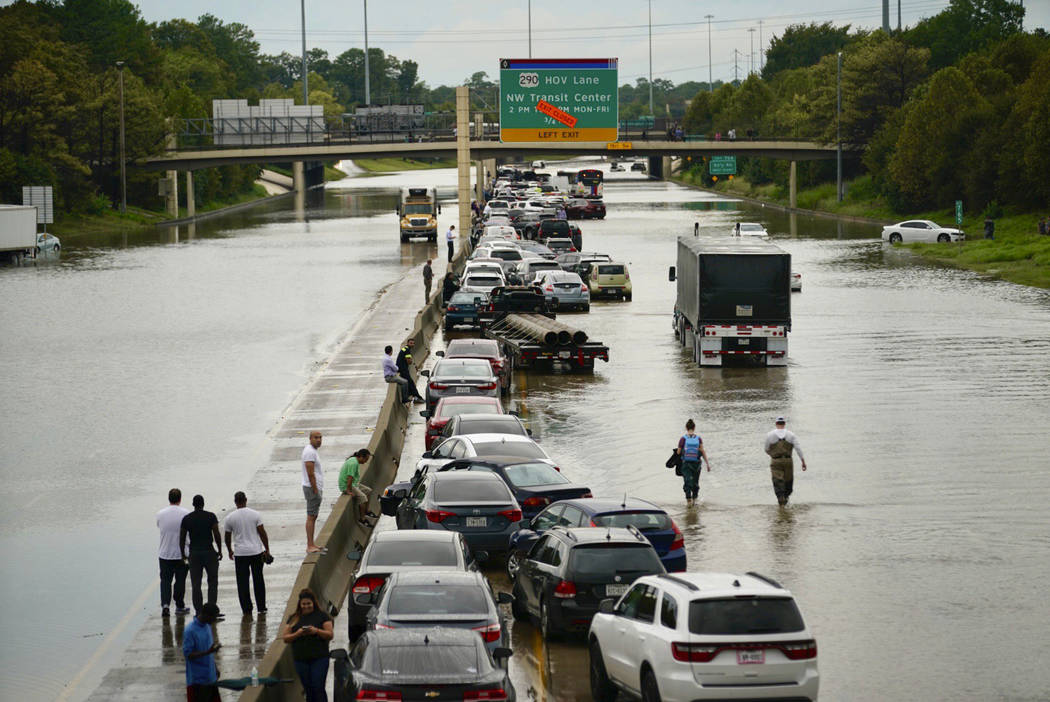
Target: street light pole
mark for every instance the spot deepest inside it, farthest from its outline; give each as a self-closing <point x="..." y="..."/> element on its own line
<point x="710" y="83"/>
<point x="838" y="129"/>
<point x="368" y="82"/>
<point x="751" y="56"/>
<point x="306" y="90"/>
<point x="123" y="160"/>
<point x="530" y="28"/>
<point x="651" y="58"/>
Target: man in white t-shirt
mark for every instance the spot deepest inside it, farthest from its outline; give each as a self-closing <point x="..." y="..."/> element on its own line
<point x="313" y="483"/>
<point x="172" y="565"/>
<point x="249" y="548"/>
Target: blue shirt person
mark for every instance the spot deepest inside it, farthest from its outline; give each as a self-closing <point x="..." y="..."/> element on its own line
<point x="199" y="647"/>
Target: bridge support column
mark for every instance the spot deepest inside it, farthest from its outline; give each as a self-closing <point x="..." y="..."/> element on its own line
<point x="298" y="177"/>
<point x="665" y="167"/>
<point x="793" y="185"/>
<point x="171" y="203"/>
<point x="479" y="180"/>
<point x="463" y="158"/>
<point x="191" y="200"/>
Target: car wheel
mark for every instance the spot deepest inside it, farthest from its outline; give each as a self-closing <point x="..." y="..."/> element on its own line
<point x="896" y="238"/>
<point x="57" y="247"/>
<point x="404" y="239"/>
<point x="627" y="297"/>
<point x="943" y="238"/>
<point x="587" y="307"/>
<point x="36" y="251"/>
<point x="546" y="627"/>
<point x="650" y="690"/>
<point x="517" y="607"/>
<point x="513" y="564"/>
<point x="602" y="689"/>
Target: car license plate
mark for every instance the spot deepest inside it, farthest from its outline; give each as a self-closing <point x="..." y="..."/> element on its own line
<point x="462" y="388"/>
<point x="477" y="521"/>
<point x="750" y="657"/>
<point x="615" y="590"/>
<point x="743" y="342"/>
<point x="469" y="320"/>
<point x="564" y="354"/>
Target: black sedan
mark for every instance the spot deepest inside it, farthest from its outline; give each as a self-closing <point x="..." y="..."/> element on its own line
<point x="422" y="664"/>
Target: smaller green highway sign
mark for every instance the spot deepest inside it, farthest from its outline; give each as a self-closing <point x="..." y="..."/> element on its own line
<point x="722" y="165"/>
<point x="958" y="213"/>
<point x="552" y="100"/>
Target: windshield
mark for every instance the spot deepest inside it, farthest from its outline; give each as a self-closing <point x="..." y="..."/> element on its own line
<point x="589" y="177"/>
<point x="532" y="474"/>
<point x="750" y="227"/>
<point x="506" y="255"/>
<point x="452" y="409"/>
<point x="491" y="425"/>
<point x="646" y="521"/>
<point x="610" y="270"/>
<point x="482" y="281"/>
<point x="610" y="559"/>
<point x="471" y="491"/>
<point x="418" y="209"/>
<point x="433" y="598"/>
<point x="465" y="298"/>
<point x="445" y="661"/>
<point x="481" y="369"/>
<point x="522" y="449"/>
<point x="412" y="553"/>
<point x="744" y="615"/>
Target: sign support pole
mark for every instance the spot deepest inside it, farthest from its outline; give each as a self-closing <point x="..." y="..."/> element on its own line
<point x="463" y="157"/>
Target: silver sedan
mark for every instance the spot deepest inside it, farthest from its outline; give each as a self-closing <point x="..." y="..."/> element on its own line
<point x="460" y="376"/>
<point x="565" y="287"/>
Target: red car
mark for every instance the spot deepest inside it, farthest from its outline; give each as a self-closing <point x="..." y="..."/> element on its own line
<point x="581" y="208"/>
<point x="487" y="349"/>
<point x="449" y="407"/>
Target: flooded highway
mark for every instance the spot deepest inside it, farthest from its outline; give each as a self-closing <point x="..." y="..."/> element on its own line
<point x="916" y="543"/>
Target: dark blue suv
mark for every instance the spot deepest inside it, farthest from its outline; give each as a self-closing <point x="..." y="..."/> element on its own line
<point x="654" y="523"/>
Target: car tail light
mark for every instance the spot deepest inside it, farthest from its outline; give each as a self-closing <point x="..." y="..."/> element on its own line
<point x="512" y="515"/>
<point x="549" y="288"/>
<point x="679" y="540"/>
<point x="572" y="249"/>
<point x="493" y="693"/>
<point x="535" y="502"/>
<point x="565" y="589"/>
<point x="383" y="626"/>
<point x="556" y="468"/>
<point x="437" y="515"/>
<point x="438" y="386"/>
<point x="453" y="308"/>
<point x="368" y="583"/>
<point x="695" y="653"/>
<point x="583" y="288"/>
<point x="490" y="386"/>
<point x="488" y="633"/>
<point x="799" y="650"/>
<point x="366" y="694"/>
<point x="627" y="276"/>
<point x="586" y="495"/>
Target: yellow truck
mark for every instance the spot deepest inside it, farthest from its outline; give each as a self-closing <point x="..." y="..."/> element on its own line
<point x="418" y="213"/>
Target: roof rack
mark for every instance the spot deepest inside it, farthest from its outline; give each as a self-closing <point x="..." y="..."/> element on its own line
<point x="678" y="581"/>
<point x="763" y="578"/>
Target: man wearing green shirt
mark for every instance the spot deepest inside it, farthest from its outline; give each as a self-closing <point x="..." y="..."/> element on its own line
<point x="350" y="484"/>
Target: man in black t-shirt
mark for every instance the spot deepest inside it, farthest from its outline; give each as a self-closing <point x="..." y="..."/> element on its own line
<point x="202" y="528"/>
<point x="404" y="365"/>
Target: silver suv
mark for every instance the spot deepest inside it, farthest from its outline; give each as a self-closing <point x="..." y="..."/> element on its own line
<point x="699" y="636"/>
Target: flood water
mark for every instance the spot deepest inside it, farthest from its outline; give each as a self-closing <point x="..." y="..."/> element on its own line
<point x="916" y="543"/>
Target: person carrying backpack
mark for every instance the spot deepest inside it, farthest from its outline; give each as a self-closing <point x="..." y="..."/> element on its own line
<point x="691" y="449"/>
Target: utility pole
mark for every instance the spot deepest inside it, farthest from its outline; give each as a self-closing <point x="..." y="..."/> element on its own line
<point x="123" y="159"/>
<point x="886" y="16"/>
<point x="710" y="83"/>
<point x="838" y="130"/>
<point x="651" y="57"/>
<point x="751" y="56"/>
<point x="736" y="68"/>
<point x="368" y="82"/>
<point x="530" y="28"/>
<point x="898" y="16"/>
<point x="306" y="90"/>
<point x="761" y="47"/>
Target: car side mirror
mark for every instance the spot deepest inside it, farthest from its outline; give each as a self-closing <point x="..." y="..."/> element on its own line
<point x="528" y="431"/>
<point x="401" y="493"/>
<point x="440" y="354"/>
<point x="607" y="606"/>
<point x="514" y="412"/>
<point x="481" y="556"/>
<point x="425" y="414"/>
<point x="505" y="598"/>
<point x="339" y="654"/>
<point x="428" y="454"/>
<point x="501" y="653"/>
<point x="425" y="373"/>
<point x="671" y="274"/>
<point x="353" y="555"/>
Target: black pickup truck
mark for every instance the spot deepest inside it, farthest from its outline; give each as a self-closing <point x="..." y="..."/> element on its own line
<point x="512" y="299"/>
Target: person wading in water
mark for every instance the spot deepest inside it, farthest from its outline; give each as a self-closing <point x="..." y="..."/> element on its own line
<point x="779" y="444"/>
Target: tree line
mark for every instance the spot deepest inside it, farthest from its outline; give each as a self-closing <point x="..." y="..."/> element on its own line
<point x="956" y="107"/>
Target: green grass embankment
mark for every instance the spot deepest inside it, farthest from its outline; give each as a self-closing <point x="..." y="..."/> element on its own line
<point x="388" y="165"/>
<point x="1017" y="254"/>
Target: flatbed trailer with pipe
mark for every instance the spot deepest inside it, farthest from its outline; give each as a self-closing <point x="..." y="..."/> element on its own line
<point x="532" y="341"/>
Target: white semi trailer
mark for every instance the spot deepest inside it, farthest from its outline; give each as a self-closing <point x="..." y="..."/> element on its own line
<point x="17" y="233"/>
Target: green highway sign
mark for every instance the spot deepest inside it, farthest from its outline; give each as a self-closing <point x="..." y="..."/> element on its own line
<point x="958" y="213"/>
<point x="722" y="165"/>
<point x="552" y="100"/>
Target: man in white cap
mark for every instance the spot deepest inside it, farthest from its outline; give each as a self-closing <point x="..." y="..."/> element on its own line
<point x="779" y="444"/>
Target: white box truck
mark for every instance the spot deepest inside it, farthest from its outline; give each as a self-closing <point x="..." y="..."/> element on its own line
<point x="17" y="233"/>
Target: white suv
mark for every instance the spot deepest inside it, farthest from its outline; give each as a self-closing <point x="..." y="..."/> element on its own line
<point x="695" y="636"/>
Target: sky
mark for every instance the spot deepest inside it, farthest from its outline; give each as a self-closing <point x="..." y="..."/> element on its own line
<point x="451" y="39"/>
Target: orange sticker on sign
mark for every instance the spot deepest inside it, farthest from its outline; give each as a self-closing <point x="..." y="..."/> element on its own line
<point x="554" y="113"/>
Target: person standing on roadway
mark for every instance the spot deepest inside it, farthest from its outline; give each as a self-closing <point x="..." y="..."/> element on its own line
<point x="428" y="280"/>
<point x="249" y="548"/>
<point x="199" y="647"/>
<point x="308" y="631"/>
<point x="779" y="444"/>
<point x="350" y="484"/>
<point x="202" y="527"/>
<point x="450" y="238"/>
<point x="404" y="369"/>
<point x="691" y="449"/>
<point x="172" y="558"/>
<point x="313" y="483"/>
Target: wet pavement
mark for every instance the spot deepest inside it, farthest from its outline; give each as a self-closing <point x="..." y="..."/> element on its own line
<point x="915" y="544"/>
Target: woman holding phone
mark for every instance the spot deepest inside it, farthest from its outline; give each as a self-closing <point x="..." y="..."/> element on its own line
<point x="309" y="630"/>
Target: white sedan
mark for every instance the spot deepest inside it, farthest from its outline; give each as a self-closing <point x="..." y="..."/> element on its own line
<point x="920" y="230"/>
<point x="472" y="445"/>
<point x="796" y="282"/>
<point x="750" y="229"/>
<point x="47" y="244"/>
